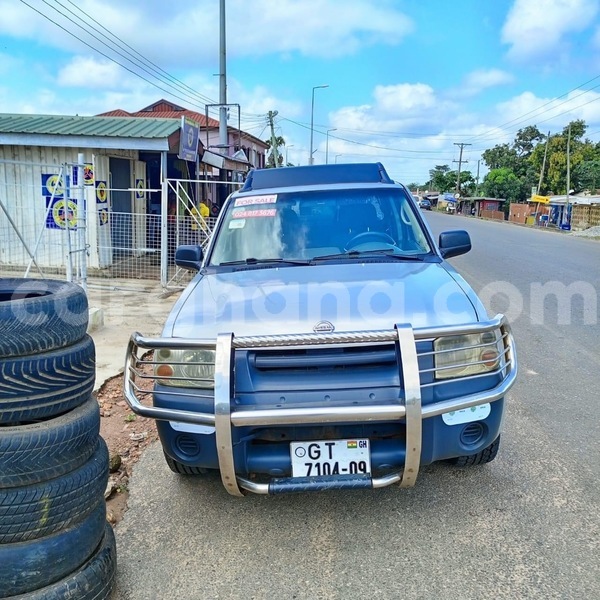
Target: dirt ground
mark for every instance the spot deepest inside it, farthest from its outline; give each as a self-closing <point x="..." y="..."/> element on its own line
<point x="127" y="435"/>
<point x="131" y="307"/>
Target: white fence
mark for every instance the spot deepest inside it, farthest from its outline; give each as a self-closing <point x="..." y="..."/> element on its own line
<point x="43" y="225"/>
<point x="135" y="248"/>
<point x="86" y="241"/>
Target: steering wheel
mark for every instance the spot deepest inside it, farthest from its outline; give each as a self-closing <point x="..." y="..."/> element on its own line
<point x="369" y="236"/>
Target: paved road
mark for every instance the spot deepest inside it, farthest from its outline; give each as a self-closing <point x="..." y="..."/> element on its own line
<point x="524" y="526"/>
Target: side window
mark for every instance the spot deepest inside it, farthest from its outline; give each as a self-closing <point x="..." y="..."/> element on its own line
<point x="414" y="237"/>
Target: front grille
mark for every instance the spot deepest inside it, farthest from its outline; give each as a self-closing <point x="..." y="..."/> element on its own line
<point x="318" y="368"/>
<point x="323" y="358"/>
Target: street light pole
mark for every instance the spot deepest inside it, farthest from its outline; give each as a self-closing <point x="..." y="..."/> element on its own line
<point x="286" y="153"/>
<point x="312" y="119"/>
<point x="336" y="157"/>
<point x="327" y="145"/>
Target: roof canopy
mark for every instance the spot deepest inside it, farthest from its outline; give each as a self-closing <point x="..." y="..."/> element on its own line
<point x="126" y="133"/>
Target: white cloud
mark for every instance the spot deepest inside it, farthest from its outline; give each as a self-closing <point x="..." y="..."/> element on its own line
<point x="535" y="30"/>
<point x="408" y="127"/>
<point x="550" y="113"/>
<point x="88" y="72"/>
<point x="318" y="28"/>
<point x="404" y="98"/>
<point x="409" y="107"/>
<point x="186" y="33"/>
<point x="482" y="79"/>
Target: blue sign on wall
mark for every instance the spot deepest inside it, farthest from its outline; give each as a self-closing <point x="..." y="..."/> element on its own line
<point x="188" y="140"/>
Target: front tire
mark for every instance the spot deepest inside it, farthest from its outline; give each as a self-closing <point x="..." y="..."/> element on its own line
<point x="182" y="469"/>
<point x="481" y="458"/>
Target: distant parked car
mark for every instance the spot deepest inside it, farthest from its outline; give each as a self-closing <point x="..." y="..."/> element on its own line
<point x="424" y="203"/>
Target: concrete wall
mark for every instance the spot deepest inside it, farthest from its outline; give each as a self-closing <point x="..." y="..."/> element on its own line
<point x="585" y="215"/>
<point x="519" y="212"/>
<point x="493" y="214"/>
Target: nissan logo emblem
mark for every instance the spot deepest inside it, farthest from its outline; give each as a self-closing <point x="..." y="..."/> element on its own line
<point x="323" y="327"/>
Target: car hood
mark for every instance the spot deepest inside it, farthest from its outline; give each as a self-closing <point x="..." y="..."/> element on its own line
<point x="294" y="299"/>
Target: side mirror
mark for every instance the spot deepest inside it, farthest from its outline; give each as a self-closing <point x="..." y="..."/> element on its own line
<point x="189" y="257"/>
<point x="453" y="243"/>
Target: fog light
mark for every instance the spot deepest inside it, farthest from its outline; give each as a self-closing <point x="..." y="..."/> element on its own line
<point x="472" y="434"/>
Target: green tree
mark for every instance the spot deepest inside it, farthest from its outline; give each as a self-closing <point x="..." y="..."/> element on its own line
<point x="468" y="184"/>
<point x="555" y="171"/>
<point x="577" y="127"/>
<point x="279" y="141"/>
<point x="516" y="158"/>
<point x="442" y="178"/>
<point x="526" y="140"/>
<point x="587" y="174"/>
<point x="501" y="156"/>
<point x="502" y="183"/>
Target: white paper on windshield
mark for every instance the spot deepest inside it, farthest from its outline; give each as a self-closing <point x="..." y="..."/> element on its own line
<point x="237" y="223"/>
<point x="269" y="199"/>
<point x="254" y="213"/>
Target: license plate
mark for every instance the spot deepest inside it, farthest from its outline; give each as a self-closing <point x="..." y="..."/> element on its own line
<point x="328" y="458"/>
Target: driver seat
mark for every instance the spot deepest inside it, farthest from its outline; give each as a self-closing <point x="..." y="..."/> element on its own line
<point x="357" y="218"/>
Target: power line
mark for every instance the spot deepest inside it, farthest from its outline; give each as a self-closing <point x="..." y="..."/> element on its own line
<point x="108" y="57"/>
<point x="521" y="118"/>
<point x="364" y="144"/>
<point x="123" y="44"/>
<point x="192" y="96"/>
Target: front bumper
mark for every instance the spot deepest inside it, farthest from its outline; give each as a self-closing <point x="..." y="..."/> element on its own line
<point x="407" y="409"/>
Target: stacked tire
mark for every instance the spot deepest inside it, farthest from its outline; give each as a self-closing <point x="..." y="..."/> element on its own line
<point x="55" y="542"/>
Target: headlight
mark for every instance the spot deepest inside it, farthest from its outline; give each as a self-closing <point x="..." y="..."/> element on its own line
<point x="465" y="355"/>
<point x="185" y="368"/>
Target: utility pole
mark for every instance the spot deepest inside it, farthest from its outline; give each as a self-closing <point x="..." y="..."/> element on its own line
<point x="539" y="189"/>
<point x="459" y="161"/>
<point x="223" y="142"/>
<point x="477" y="179"/>
<point x="566" y="215"/>
<point x="272" y="114"/>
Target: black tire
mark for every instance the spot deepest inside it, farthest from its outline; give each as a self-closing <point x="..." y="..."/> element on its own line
<point x="94" y="580"/>
<point x="38" y="315"/>
<point x="35" y="511"/>
<point x="182" y="469"/>
<point x="44" y="385"/>
<point x="48" y="449"/>
<point x="28" y="566"/>
<point x="481" y="458"/>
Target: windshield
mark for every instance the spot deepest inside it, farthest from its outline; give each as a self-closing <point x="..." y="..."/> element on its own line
<point x="308" y="225"/>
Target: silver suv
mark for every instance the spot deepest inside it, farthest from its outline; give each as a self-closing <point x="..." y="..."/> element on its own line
<point x="325" y="342"/>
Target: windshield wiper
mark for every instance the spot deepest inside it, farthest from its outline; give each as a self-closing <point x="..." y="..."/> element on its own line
<point x="264" y="261"/>
<point x="388" y="253"/>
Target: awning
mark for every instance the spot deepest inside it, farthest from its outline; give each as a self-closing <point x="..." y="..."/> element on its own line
<point x="224" y="162"/>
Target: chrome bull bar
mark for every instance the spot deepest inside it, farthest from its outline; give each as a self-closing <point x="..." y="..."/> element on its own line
<point x="408" y="409"/>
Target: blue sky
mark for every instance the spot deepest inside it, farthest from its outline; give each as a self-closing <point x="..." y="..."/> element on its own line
<point x="407" y="80"/>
